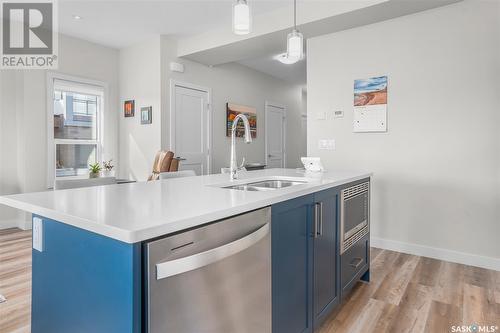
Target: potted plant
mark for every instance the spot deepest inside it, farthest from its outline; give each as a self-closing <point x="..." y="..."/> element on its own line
<point x="108" y="168"/>
<point x="94" y="170"/>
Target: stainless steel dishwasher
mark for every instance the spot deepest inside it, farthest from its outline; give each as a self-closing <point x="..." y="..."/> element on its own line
<point x="212" y="279"/>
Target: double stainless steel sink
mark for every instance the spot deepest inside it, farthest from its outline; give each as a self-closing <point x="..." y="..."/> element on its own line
<point x="266" y="185"/>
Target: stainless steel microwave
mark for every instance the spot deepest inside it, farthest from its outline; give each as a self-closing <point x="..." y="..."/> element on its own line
<point x="355" y="214"/>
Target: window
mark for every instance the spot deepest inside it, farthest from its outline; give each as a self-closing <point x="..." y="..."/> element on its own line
<point x="75" y="138"/>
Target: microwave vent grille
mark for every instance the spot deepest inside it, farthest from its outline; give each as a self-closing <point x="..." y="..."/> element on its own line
<point x="355" y="190"/>
<point x="353" y="239"/>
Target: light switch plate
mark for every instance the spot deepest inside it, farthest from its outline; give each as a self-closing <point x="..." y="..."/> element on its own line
<point x="326" y="144"/>
<point x="38" y="234"/>
<point x="321" y="116"/>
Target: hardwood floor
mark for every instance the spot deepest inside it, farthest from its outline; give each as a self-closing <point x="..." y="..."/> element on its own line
<point x="415" y="294"/>
<point x="406" y="294"/>
<point x="15" y="280"/>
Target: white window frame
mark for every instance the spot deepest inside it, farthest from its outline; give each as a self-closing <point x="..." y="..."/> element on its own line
<point x="86" y="84"/>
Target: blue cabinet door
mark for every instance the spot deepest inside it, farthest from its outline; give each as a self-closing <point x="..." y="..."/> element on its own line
<point x="292" y="265"/>
<point x="325" y="282"/>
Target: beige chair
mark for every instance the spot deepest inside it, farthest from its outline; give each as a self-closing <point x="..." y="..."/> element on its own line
<point x="63" y="184"/>
<point x="177" y="174"/>
<point x="164" y="162"/>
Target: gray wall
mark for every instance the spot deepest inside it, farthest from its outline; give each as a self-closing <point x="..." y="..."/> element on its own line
<point x="23" y="118"/>
<point x="140" y="75"/>
<point x="145" y="65"/>
<point x="437" y="170"/>
<point x="238" y="84"/>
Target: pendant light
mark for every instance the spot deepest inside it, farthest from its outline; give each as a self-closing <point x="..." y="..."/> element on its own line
<point x="241" y="17"/>
<point x="295" y="40"/>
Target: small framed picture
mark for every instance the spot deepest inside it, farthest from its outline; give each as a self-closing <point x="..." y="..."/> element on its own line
<point x="146" y="115"/>
<point x="129" y="108"/>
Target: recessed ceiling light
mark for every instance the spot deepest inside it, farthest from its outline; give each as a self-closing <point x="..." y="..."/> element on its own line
<point x="77" y="17"/>
<point x="284" y="58"/>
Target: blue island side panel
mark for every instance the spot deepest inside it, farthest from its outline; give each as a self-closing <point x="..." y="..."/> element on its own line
<point x="85" y="282"/>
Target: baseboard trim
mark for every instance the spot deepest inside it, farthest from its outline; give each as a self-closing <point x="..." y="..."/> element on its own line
<point x="11" y="223"/>
<point x="25" y="225"/>
<point x="437" y="253"/>
<point x="15" y="223"/>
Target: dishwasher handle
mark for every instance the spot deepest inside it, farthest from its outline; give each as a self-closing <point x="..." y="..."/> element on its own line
<point x="190" y="263"/>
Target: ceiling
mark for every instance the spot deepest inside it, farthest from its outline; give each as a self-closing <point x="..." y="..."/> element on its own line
<point x="257" y="51"/>
<point x="203" y="27"/>
<point x="118" y="24"/>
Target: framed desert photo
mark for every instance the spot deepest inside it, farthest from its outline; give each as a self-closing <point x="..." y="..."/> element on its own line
<point x="129" y="108"/>
<point x="370" y="105"/>
<point x="232" y="110"/>
<point x="146" y="115"/>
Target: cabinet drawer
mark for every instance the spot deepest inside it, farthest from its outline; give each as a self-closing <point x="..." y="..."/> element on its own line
<point x="354" y="261"/>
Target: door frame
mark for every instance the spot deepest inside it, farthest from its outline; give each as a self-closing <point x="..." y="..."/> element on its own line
<point x="208" y="91"/>
<point x="281" y="106"/>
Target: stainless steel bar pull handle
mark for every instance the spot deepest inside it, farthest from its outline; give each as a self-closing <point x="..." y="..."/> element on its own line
<point x="320" y="231"/>
<point x="356" y="265"/>
<point x="318" y="219"/>
<point x="182" y="265"/>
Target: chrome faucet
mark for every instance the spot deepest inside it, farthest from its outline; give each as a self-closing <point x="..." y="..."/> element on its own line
<point x="233" y="167"/>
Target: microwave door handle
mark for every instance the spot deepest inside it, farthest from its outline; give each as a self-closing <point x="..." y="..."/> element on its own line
<point x="198" y="260"/>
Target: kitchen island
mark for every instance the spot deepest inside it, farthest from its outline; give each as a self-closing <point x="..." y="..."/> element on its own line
<point x="89" y="260"/>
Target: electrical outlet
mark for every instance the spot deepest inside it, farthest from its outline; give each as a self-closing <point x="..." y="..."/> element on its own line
<point x="38" y="234"/>
<point x="338" y="114"/>
<point x="328" y="144"/>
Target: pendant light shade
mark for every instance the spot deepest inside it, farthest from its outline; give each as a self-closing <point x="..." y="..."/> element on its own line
<point x="241" y="17"/>
<point x="295" y="40"/>
<point x="295" y="45"/>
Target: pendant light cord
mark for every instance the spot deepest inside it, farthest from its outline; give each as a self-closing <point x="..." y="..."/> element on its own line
<point x="295" y="14"/>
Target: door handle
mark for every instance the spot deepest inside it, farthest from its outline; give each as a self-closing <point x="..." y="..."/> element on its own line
<point x="186" y="264"/>
<point x="356" y="265"/>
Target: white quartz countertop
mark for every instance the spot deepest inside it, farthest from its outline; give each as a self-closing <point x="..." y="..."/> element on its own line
<point x="139" y="211"/>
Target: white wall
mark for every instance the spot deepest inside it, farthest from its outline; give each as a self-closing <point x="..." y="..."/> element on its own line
<point x="436" y="171"/>
<point x="9" y="120"/>
<point x="140" y="81"/>
<point x="23" y="117"/>
<point x="241" y="85"/>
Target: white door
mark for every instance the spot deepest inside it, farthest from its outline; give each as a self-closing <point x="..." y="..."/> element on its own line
<point x="190" y="128"/>
<point x="275" y="136"/>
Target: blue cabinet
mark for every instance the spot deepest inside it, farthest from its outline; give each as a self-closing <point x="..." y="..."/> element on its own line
<point x="292" y="250"/>
<point x="304" y="261"/>
<point x="325" y="255"/>
<point x="85" y="282"/>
